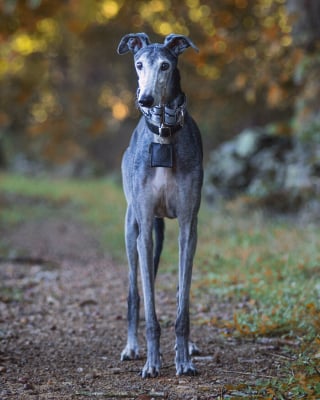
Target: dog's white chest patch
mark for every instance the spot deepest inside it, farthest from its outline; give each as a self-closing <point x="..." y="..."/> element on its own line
<point x="164" y="191"/>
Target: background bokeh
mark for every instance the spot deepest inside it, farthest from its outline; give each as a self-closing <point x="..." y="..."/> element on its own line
<point x="68" y="100"/>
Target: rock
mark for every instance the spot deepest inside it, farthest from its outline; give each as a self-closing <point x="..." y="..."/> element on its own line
<point x="247" y="143"/>
<point x="228" y="172"/>
<point x="265" y="166"/>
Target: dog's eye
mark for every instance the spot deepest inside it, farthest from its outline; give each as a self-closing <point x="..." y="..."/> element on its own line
<point x="139" y="65"/>
<point x="164" y="66"/>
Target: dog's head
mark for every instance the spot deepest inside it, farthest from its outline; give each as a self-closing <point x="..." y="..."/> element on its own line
<point x="156" y="65"/>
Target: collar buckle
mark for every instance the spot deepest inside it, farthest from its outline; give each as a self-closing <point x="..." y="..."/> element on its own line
<point x="180" y="117"/>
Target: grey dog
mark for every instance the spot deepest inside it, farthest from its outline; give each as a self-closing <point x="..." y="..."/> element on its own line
<point x="162" y="177"/>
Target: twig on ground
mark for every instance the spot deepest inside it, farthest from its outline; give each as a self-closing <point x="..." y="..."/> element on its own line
<point x="277" y="341"/>
<point x="230" y="371"/>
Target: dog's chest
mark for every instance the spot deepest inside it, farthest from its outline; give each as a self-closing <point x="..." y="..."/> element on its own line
<point x="164" y="190"/>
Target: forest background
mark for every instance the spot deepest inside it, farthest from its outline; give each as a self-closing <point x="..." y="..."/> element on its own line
<point x="67" y="100"/>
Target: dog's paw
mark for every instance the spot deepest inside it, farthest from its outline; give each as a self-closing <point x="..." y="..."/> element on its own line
<point x="150" y="371"/>
<point x="186" y="368"/>
<point x="130" y="353"/>
<point x="193" y="349"/>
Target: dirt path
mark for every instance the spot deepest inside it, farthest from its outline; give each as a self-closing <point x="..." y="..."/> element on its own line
<point x="62" y="328"/>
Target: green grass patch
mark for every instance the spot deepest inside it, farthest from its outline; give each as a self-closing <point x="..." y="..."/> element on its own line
<point x="271" y="268"/>
<point x="268" y="270"/>
<point x="99" y="203"/>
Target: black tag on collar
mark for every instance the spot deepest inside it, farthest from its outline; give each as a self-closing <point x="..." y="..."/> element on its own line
<point x="161" y="155"/>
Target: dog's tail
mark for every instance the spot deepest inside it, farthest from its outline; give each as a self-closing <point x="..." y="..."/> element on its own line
<point x="159" y="237"/>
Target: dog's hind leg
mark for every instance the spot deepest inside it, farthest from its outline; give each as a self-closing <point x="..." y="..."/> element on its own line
<point x="159" y="237"/>
<point x="187" y="246"/>
<point x="131" y="351"/>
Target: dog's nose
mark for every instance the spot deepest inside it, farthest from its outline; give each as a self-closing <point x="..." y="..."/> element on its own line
<point x="146" y="101"/>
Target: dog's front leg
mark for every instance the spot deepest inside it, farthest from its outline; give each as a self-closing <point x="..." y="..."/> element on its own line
<point x="145" y="250"/>
<point x="131" y="351"/>
<point x="187" y="246"/>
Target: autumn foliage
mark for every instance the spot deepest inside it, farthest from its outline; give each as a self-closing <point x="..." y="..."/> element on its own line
<point x="66" y="95"/>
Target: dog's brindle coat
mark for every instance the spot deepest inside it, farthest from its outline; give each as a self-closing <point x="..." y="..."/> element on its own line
<point x="153" y="193"/>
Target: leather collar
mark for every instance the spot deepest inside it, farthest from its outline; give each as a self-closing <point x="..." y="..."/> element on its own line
<point x="163" y="120"/>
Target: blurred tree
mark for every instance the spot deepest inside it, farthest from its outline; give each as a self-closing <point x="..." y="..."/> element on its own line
<point x="66" y="95"/>
<point x="305" y="17"/>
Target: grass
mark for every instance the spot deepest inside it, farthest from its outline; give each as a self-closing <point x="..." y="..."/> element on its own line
<point x="273" y="266"/>
<point x="97" y="202"/>
<point x="268" y="269"/>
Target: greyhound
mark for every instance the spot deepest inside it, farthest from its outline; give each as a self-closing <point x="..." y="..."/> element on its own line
<point x="162" y="177"/>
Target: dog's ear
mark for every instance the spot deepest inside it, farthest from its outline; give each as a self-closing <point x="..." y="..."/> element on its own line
<point x="178" y="43"/>
<point x="133" y="42"/>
